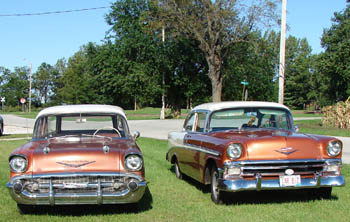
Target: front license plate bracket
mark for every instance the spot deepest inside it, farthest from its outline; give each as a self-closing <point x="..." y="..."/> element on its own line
<point x="290" y="180"/>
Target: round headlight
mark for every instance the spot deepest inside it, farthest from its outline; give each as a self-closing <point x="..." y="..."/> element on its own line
<point x="333" y="148"/>
<point x="18" y="164"/>
<point x="234" y="150"/>
<point x="133" y="162"/>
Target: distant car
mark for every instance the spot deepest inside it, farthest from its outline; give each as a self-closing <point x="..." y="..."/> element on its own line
<point x="79" y="154"/>
<point x="1" y="126"/>
<point x="238" y="146"/>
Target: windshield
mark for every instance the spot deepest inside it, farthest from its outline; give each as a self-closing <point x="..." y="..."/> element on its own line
<point x="80" y="125"/>
<point x="249" y="118"/>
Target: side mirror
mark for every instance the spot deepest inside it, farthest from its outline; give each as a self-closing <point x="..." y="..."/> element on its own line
<point x="136" y="135"/>
<point x="296" y="128"/>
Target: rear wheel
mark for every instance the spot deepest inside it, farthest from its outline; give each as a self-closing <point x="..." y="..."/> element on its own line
<point x="216" y="194"/>
<point x="25" y="209"/>
<point x="177" y="171"/>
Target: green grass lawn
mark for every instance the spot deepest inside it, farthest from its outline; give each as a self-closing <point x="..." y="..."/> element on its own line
<point x="315" y="127"/>
<point x="170" y="199"/>
<point x="303" y="113"/>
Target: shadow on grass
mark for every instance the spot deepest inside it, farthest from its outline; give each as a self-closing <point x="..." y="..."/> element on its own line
<point x="272" y="197"/>
<point x="192" y="182"/>
<point x="144" y="204"/>
<point x="259" y="197"/>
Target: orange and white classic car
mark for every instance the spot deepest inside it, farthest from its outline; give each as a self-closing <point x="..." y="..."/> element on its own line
<point x="238" y="146"/>
<point x="79" y="154"/>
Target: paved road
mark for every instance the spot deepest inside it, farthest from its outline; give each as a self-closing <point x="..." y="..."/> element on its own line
<point x="158" y="129"/>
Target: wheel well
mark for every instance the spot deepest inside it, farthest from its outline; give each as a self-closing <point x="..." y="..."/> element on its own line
<point x="210" y="164"/>
<point x="173" y="159"/>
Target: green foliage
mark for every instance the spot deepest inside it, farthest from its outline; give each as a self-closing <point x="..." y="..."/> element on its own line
<point x="333" y="65"/>
<point x="76" y="80"/>
<point x="255" y="62"/>
<point x="297" y="72"/>
<point x="43" y="81"/>
<point x="14" y="85"/>
<point x="215" y="25"/>
<point x="134" y="71"/>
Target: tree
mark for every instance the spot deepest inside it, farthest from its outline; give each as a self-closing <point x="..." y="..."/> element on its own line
<point x="59" y="69"/>
<point x="333" y="64"/>
<point x="76" y="80"/>
<point x="216" y="25"/>
<point x="134" y="69"/>
<point x="14" y="85"/>
<point x="254" y="61"/>
<point x="43" y="81"/>
<point x="298" y="72"/>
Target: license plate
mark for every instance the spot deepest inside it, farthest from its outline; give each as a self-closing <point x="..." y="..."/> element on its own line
<point x="290" y="181"/>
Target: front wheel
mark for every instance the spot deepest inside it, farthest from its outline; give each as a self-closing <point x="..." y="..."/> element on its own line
<point x="216" y="194"/>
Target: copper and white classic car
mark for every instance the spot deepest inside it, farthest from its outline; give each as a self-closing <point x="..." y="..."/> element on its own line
<point x="238" y="146"/>
<point x="79" y="154"/>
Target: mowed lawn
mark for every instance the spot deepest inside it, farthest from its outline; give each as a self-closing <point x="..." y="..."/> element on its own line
<point x="170" y="199"/>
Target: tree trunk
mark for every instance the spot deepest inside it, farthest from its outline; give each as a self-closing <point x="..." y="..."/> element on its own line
<point x="214" y="64"/>
<point x="135" y="104"/>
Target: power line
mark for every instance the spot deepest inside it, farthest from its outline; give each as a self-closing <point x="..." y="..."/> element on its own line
<point x="54" y="12"/>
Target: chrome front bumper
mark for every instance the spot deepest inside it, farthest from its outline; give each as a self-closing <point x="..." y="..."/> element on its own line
<point x="267" y="184"/>
<point x="59" y="197"/>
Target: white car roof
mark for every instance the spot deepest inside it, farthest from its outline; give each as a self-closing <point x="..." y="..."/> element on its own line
<point x="238" y="104"/>
<point x="86" y="108"/>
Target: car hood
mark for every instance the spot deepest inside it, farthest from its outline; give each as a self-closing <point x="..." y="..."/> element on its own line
<point x="77" y="157"/>
<point x="275" y="144"/>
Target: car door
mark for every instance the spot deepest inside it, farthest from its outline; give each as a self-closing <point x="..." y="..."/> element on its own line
<point x="195" y="128"/>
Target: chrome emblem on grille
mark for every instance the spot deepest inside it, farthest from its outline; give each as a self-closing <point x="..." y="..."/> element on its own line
<point x="75" y="164"/>
<point x="287" y="150"/>
<point x="289" y="172"/>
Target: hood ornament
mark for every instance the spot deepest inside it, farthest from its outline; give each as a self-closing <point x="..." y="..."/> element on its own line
<point x="78" y="164"/>
<point x="46" y="150"/>
<point x="286" y="150"/>
<point x="106" y="149"/>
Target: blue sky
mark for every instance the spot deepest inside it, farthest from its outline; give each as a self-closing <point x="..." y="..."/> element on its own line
<point x="48" y="38"/>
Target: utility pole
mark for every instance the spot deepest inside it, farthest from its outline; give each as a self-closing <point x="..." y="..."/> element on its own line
<point x="282" y="53"/>
<point x="30" y="86"/>
<point x="162" y="112"/>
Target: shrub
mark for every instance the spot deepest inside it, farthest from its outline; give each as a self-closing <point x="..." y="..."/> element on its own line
<point x="337" y="115"/>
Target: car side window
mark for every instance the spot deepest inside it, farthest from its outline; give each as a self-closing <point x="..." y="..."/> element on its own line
<point x="201" y="122"/>
<point x="190" y="122"/>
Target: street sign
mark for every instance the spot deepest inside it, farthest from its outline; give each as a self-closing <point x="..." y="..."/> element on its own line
<point x="22" y="100"/>
<point x="244" y="83"/>
<point x="2" y="99"/>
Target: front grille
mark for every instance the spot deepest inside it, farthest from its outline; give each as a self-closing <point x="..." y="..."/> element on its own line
<point x="278" y="168"/>
<point x="77" y="184"/>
